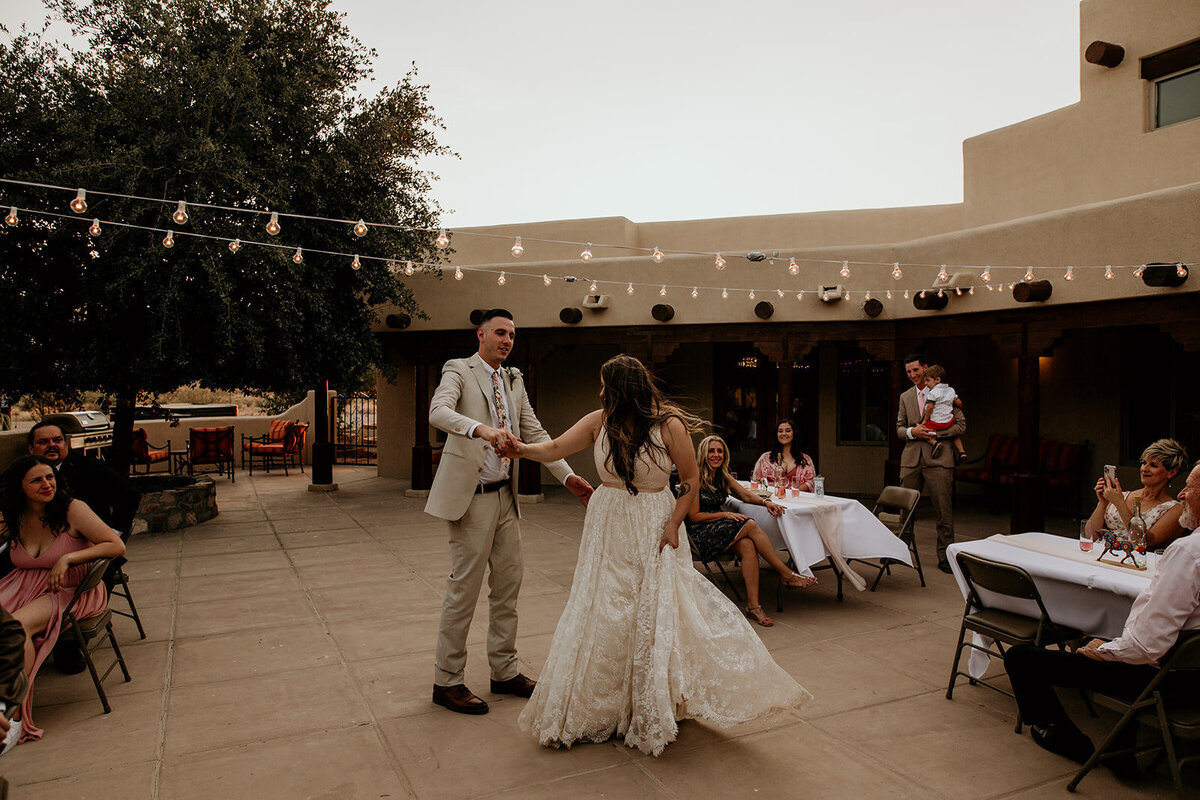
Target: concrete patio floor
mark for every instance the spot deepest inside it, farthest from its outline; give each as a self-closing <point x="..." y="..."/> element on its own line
<point x="289" y="654"/>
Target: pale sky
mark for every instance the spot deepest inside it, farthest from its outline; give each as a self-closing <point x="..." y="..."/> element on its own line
<point x="685" y="110"/>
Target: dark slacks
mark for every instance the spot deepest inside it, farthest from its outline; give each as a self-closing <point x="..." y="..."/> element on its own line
<point x="1035" y="671"/>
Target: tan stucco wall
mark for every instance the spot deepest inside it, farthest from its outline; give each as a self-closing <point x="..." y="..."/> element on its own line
<point x="1101" y="148"/>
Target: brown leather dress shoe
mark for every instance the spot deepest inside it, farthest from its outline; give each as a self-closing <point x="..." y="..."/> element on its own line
<point x="459" y="699"/>
<point x="518" y="685"/>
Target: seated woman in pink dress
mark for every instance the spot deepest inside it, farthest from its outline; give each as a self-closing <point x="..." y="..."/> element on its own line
<point x="782" y="461"/>
<point x="52" y="537"/>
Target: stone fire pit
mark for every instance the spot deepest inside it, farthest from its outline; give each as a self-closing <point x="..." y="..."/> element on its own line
<point x="171" y="502"/>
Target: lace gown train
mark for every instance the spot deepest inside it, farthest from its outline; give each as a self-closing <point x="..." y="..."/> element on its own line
<point x="645" y="640"/>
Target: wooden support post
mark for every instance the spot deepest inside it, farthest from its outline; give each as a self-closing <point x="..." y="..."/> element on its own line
<point x="422" y="452"/>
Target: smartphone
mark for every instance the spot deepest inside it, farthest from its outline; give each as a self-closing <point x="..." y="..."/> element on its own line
<point x="1110" y="474"/>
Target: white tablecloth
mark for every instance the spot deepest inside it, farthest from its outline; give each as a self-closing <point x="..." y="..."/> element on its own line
<point x="863" y="535"/>
<point x="1077" y="591"/>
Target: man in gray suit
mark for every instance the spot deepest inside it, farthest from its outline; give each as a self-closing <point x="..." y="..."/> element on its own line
<point x="483" y="406"/>
<point x="919" y="468"/>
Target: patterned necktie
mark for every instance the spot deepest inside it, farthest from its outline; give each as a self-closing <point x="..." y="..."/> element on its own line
<point x="501" y="415"/>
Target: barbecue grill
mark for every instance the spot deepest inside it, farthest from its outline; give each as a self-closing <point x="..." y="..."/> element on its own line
<point x="89" y="431"/>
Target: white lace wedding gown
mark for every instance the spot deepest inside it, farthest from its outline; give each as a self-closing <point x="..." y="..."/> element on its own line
<point x="645" y="640"/>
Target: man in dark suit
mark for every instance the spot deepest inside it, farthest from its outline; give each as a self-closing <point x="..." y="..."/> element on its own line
<point x="88" y="479"/>
<point x="919" y="467"/>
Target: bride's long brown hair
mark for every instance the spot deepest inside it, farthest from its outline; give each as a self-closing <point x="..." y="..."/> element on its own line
<point x="633" y="404"/>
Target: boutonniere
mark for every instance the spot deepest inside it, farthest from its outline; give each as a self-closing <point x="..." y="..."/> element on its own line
<point x="512" y="372"/>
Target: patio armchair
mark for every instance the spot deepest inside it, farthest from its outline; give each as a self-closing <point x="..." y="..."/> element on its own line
<point x="141" y="451"/>
<point x="212" y="446"/>
<point x="282" y="444"/>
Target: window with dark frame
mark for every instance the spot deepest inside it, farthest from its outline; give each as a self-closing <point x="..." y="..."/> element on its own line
<point x="1175" y="75"/>
<point x="862" y="398"/>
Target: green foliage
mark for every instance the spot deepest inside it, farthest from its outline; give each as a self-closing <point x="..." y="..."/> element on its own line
<point x="232" y="102"/>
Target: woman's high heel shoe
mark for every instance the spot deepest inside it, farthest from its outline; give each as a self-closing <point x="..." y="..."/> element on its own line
<point x="797" y="581"/>
<point x="756" y="613"/>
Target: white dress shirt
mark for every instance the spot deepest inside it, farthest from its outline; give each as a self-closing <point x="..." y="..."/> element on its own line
<point x="493" y="468"/>
<point x="1169" y="605"/>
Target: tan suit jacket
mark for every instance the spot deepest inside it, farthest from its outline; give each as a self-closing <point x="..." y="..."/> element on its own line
<point x="464" y="398"/>
<point x="918" y="452"/>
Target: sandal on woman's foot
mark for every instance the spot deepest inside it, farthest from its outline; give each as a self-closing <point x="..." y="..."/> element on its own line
<point x="798" y="581"/>
<point x="756" y="613"/>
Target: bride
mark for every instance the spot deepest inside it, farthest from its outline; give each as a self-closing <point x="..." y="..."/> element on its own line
<point x="644" y="639"/>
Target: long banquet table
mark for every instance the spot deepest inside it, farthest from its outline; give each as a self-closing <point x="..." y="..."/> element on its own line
<point x="1077" y="589"/>
<point x="861" y="533"/>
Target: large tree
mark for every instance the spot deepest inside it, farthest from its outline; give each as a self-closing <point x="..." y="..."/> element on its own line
<point x="248" y="104"/>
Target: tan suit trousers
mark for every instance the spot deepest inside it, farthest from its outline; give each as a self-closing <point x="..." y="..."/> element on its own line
<point x="936" y="483"/>
<point x="487" y="538"/>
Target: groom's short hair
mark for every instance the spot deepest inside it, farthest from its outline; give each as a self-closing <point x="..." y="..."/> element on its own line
<point x="492" y="313"/>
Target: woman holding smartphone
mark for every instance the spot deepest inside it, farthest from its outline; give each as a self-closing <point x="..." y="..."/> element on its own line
<point x="1161" y="462"/>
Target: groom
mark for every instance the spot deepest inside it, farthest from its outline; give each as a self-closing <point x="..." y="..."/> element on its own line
<point x="483" y="407"/>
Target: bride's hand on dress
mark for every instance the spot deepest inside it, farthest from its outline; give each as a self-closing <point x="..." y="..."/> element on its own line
<point x="670" y="536"/>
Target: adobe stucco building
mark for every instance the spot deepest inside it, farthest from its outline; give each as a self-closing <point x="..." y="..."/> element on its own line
<point x="1111" y="180"/>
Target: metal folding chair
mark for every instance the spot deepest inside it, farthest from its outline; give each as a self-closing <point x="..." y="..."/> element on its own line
<point x="896" y="508"/>
<point x="92" y="632"/>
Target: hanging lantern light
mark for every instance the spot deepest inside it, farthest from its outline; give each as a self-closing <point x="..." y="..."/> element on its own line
<point x="180" y="216"/>
<point x="1028" y="275"/>
<point x="546" y="280"/>
<point x="987" y="274"/>
<point x="942" y="276"/>
<point x="458" y="273"/>
<point x="235" y="245"/>
<point x="273" y="224"/>
<point x="11" y="219"/>
<point x="663" y="291"/>
<point x="356" y="265"/>
<point x="1070" y="276"/>
<point x="517" y="249"/>
<point x="779" y="292"/>
<point x="592" y="288"/>
<point x="751" y="294"/>
<point x="501" y="280"/>
<point x="845" y="269"/>
<point x="657" y="255"/>
<point x="897" y="274"/>
<point x="169" y="240"/>
<point x="1181" y="270"/>
<point x="408" y="268"/>
<point x="442" y="239"/>
<point x="586" y="255"/>
<point x="79" y="204"/>
<point x="724" y="294"/>
<point x="793" y="267"/>
<point x="94" y="230"/>
<point x="298" y="256"/>
<point x="360" y="229"/>
<point x="629" y="288"/>
<point x="695" y="292"/>
<point x="1108" y="273"/>
<point x="719" y="262"/>
<point x="1137" y="273"/>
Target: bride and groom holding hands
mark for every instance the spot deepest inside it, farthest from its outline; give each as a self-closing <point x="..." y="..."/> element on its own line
<point x="644" y="639"/>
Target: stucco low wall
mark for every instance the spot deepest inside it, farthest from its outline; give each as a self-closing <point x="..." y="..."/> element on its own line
<point x="12" y="443"/>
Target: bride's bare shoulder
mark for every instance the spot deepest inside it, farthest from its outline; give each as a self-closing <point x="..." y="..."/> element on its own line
<point x="594" y="421"/>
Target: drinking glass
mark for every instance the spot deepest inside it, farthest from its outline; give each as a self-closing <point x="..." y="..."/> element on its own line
<point x="1085" y="538"/>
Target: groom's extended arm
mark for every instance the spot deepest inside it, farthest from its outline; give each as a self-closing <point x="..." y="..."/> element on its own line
<point x="443" y="408"/>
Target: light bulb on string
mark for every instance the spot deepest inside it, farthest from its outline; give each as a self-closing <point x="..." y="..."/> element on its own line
<point x="724" y="294"/>
<point x="94" y="230"/>
<point x="941" y="293"/>
<point x="298" y="256"/>
<point x="180" y="216"/>
<point x="845" y="269"/>
<point x="987" y="274"/>
<point x="360" y="229"/>
<point x="501" y="280"/>
<point x="273" y="224"/>
<point x="458" y="273"/>
<point x="546" y="280"/>
<point x="408" y="268"/>
<point x="800" y="295"/>
<point x="356" y="264"/>
<point x="793" y="267"/>
<point x="942" y="276"/>
<point x="168" y="240"/>
<point x="1028" y="275"/>
<point x="889" y="294"/>
<point x="442" y="239"/>
<point x="79" y="204"/>
<point x="897" y="274"/>
<point x="11" y="219"/>
<point x="663" y="291"/>
<point x="1181" y="270"/>
<point x="957" y="291"/>
<point x="1137" y="273"/>
<point x="235" y="245"/>
<point x="846" y="296"/>
<point x="868" y="295"/>
<point x="990" y="287"/>
<point x="695" y="292"/>
<point x="779" y="292"/>
<point x="586" y="255"/>
<point x="751" y="294"/>
<point x="1108" y="273"/>
<point x="517" y="249"/>
<point x="719" y="262"/>
<point x="1070" y="276"/>
<point x="592" y="288"/>
<point x="971" y="291"/>
<point x="906" y="294"/>
<point x="922" y="295"/>
<point x="629" y="288"/>
<point x="657" y="255"/>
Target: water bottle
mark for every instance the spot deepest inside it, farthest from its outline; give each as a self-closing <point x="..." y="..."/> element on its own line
<point x="1137" y="528"/>
<point x="819" y="486"/>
